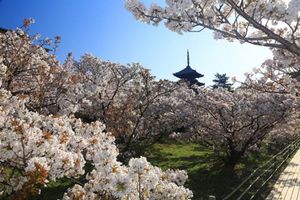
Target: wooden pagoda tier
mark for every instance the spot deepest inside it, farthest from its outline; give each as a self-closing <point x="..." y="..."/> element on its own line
<point x="189" y="74"/>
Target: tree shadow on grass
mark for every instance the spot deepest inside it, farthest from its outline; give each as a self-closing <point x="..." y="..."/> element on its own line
<point x="207" y="175"/>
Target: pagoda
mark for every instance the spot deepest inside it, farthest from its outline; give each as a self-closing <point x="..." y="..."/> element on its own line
<point x="188" y="74"/>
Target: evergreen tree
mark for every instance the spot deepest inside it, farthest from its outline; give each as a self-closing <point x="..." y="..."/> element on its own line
<point x="221" y="80"/>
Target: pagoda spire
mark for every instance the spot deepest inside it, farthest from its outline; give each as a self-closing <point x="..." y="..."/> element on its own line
<point x="188" y="58"/>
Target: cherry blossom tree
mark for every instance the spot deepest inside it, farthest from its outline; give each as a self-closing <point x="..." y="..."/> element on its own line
<point x="264" y="22"/>
<point x="30" y="69"/>
<point x="235" y="122"/>
<point x="135" y="107"/>
<point x="287" y="131"/>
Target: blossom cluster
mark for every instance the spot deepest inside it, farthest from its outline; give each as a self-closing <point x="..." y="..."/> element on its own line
<point x="139" y="180"/>
<point x="229" y="19"/>
<point x="30" y="69"/>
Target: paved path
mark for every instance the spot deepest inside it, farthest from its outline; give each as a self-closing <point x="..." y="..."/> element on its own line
<point x="287" y="187"/>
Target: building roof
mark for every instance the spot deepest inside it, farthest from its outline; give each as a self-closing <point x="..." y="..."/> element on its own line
<point x="188" y="73"/>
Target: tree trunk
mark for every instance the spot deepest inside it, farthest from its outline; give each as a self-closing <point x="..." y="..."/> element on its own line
<point x="233" y="158"/>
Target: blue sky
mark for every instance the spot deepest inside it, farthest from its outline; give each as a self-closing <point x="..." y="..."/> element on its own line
<point x="105" y="29"/>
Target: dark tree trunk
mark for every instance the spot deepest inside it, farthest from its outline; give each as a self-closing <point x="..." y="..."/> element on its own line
<point x="233" y="158"/>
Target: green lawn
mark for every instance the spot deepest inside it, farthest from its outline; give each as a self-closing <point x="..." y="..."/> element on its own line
<point x="206" y="173"/>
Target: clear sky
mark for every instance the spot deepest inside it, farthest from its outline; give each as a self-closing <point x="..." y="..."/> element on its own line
<point x="105" y="29"/>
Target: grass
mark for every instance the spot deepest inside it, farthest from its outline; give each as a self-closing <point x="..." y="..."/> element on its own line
<point x="206" y="173"/>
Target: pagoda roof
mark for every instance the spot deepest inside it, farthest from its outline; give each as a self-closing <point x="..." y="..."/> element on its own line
<point x="188" y="73"/>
